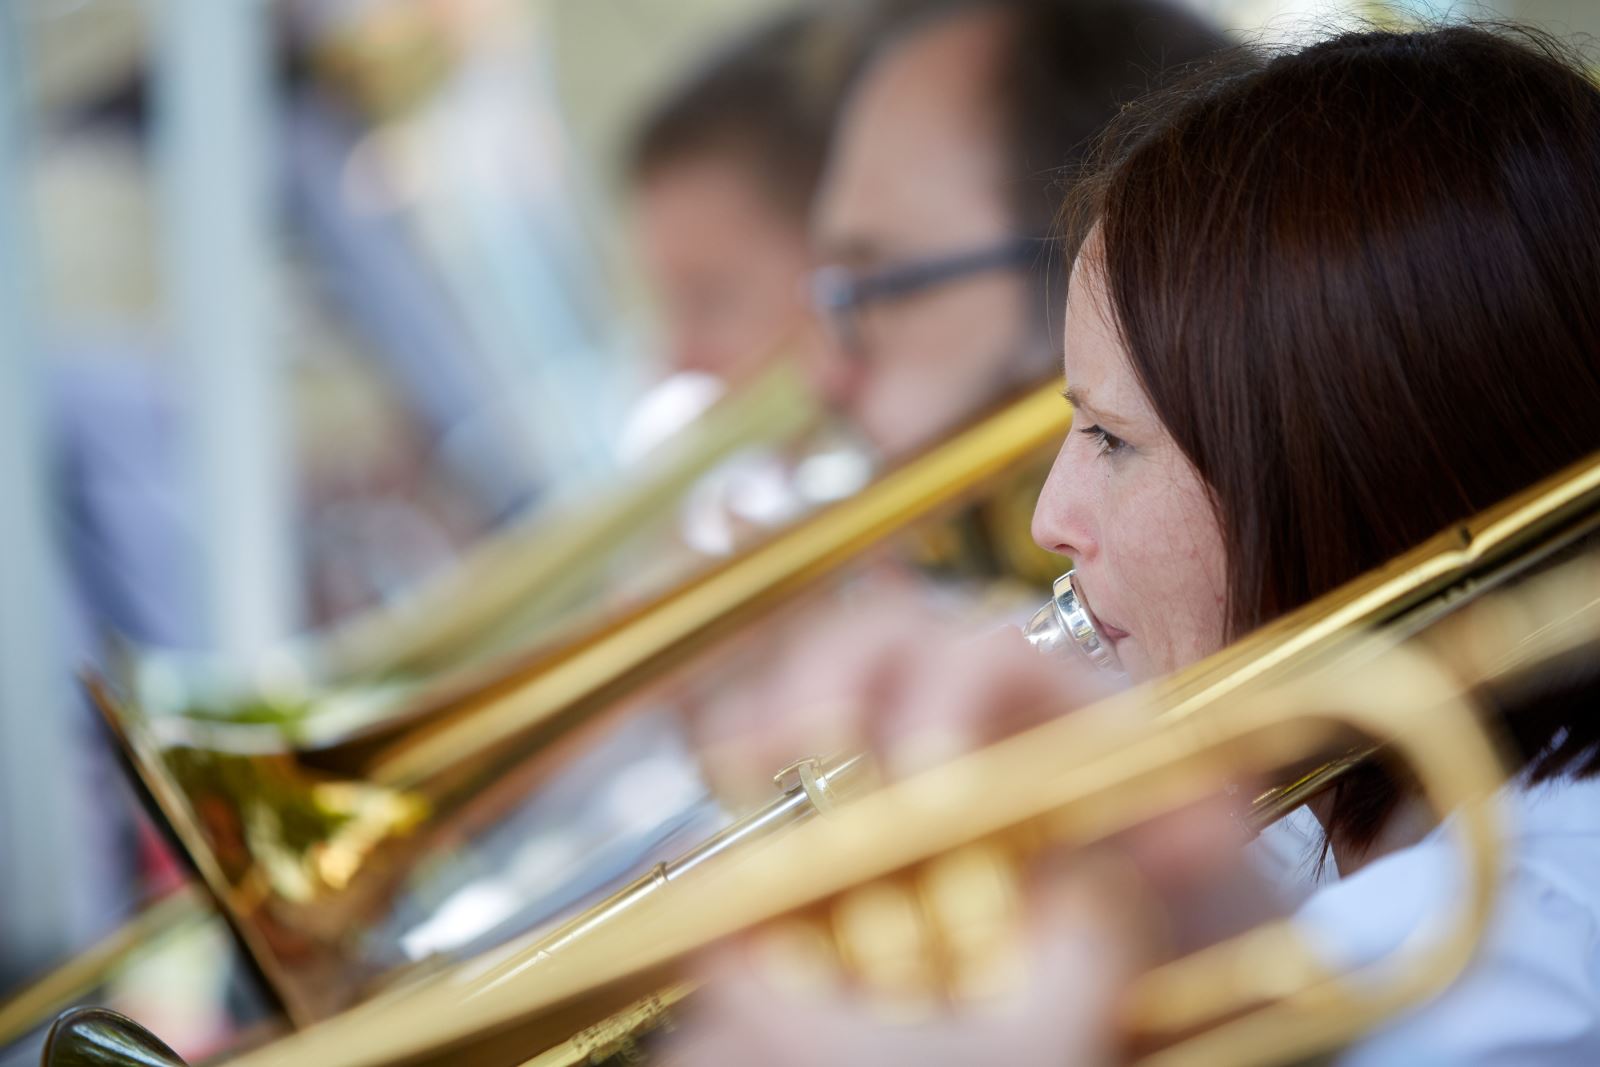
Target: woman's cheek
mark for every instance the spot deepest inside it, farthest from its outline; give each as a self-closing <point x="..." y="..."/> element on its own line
<point x="1131" y="654"/>
<point x="1160" y="649"/>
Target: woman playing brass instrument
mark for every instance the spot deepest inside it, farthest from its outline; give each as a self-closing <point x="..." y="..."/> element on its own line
<point x="1322" y="305"/>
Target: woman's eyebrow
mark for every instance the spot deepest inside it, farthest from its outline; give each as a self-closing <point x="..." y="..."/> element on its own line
<point x="1078" y="397"/>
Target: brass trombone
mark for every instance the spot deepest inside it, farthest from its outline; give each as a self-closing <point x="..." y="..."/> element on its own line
<point x="510" y="592"/>
<point x="1363" y="662"/>
<point x="1371" y="661"/>
<point x="430" y="751"/>
<point x="302" y="833"/>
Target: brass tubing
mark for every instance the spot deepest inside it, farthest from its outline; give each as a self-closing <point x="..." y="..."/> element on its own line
<point x="446" y="618"/>
<point x="1272" y="805"/>
<point x="1074" y="779"/>
<point x="562" y="689"/>
<point x="1352" y="629"/>
<point x="443" y="758"/>
<point x="791" y="809"/>
<point x="1402" y="597"/>
<point x="1477" y="554"/>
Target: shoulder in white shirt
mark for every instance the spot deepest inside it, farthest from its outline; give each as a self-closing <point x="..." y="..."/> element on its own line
<point x="1532" y="994"/>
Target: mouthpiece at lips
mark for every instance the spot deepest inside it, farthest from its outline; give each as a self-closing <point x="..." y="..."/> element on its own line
<point x="1065" y="624"/>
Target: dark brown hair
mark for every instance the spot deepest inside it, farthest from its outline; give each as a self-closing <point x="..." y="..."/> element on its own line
<point x="765" y="100"/>
<point x="1360" y="283"/>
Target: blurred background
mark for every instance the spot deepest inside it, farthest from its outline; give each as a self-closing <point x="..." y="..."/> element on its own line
<point x="303" y="303"/>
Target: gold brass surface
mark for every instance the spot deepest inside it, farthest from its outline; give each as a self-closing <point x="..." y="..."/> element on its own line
<point x="304" y="845"/>
<point x="1405" y="595"/>
<point x="1269" y="702"/>
<point x="676" y="626"/>
<point x="1262" y="999"/>
<point x="555" y="560"/>
<point x="533" y="1003"/>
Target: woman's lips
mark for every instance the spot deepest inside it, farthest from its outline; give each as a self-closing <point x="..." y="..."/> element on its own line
<point x="1115" y="633"/>
<point x="1108" y="631"/>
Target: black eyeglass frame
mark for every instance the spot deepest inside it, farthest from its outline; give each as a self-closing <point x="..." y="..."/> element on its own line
<point x="839" y="294"/>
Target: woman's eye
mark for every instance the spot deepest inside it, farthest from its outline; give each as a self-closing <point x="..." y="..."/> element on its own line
<point x="1105" y="443"/>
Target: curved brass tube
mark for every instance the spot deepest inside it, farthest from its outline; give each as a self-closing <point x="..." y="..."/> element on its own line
<point x="303" y="845"/>
<point x="598" y="668"/>
<point x="1088" y="775"/>
<point x="1076" y="779"/>
<point x="548" y="561"/>
<point x="551" y="560"/>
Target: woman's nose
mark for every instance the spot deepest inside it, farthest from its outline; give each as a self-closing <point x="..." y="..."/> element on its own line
<point x="1061" y="517"/>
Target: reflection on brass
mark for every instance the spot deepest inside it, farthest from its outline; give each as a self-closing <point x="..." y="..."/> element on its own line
<point x="1080" y="778"/>
<point x="305" y="838"/>
<point x="1338" y="671"/>
<point x="879" y="873"/>
<point x="96" y="1037"/>
<point x="550" y="565"/>
<point x="1300" y="690"/>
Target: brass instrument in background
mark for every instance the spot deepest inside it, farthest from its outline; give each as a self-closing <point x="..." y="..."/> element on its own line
<point x="449" y="733"/>
<point x="539" y="580"/>
<point x="1265" y="705"/>
<point x="303" y="830"/>
<point x="525" y="584"/>
<point x="1370" y="663"/>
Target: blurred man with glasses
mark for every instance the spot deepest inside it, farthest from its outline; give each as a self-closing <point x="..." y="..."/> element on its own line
<point x="945" y="174"/>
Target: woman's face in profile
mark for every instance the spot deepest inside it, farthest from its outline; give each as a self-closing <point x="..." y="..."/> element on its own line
<point x="1126" y="505"/>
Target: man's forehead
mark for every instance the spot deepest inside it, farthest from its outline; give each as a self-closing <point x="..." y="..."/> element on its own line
<point x="917" y="147"/>
<point x="970" y="40"/>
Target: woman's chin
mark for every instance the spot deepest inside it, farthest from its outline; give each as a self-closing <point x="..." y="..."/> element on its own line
<point x="1133" y="659"/>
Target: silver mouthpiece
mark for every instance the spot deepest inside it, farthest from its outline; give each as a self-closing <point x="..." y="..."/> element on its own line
<point x="1064" y="623"/>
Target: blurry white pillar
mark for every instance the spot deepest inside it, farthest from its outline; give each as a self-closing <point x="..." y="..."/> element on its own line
<point x="40" y="855"/>
<point x="216" y="125"/>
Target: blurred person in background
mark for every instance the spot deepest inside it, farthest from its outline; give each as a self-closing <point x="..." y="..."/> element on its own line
<point x="959" y="132"/>
<point x="722" y="172"/>
<point x="952" y="149"/>
<point x="934" y="198"/>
